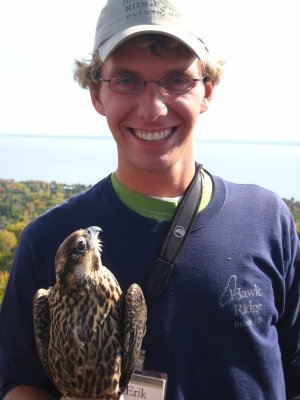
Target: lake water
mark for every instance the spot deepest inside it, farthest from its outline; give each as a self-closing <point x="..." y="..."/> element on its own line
<point x="88" y="159"/>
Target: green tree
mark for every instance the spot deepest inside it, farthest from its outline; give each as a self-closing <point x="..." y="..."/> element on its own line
<point x="8" y="242"/>
<point x="3" y="282"/>
<point x="294" y="207"/>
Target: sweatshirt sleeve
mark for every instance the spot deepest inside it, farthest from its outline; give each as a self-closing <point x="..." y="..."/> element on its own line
<point x="19" y="361"/>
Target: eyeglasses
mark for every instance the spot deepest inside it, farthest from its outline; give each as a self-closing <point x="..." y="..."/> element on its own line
<point x="125" y="84"/>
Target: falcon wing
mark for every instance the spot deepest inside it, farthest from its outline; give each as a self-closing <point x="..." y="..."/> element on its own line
<point x="134" y="329"/>
<point x="41" y="324"/>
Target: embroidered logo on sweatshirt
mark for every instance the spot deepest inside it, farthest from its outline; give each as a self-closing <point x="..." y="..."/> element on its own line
<point x="244" y="301"/>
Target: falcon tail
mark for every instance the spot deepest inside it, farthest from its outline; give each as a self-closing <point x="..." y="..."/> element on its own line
<point x="41" y="324"/>
<point x="135" y="316"/>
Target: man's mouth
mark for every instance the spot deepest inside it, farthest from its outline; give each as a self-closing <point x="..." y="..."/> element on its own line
<point x="153" y="136"/>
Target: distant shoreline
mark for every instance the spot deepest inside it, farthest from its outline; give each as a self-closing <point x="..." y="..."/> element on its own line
<point x="274" y="166"/>
<point x="107" y="137"/>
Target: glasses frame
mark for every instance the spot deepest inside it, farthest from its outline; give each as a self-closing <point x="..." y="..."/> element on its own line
<point x="158" y="82"/>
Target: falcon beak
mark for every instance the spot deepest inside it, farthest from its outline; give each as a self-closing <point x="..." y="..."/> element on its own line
<point x="93" y="231"/>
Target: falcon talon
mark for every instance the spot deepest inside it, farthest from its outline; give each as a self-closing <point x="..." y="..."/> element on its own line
<point x="88" y="333"/>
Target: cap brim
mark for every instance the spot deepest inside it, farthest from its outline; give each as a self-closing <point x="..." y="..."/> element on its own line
<point x="188" y="39"/>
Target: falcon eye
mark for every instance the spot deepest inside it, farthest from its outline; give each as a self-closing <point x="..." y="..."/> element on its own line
<point x="81" y="245"/>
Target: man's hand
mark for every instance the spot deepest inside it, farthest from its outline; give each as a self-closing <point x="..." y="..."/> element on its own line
<point x="85" y="398"/>
<point x="24" y="392"/>
<point x="33" y="393"/>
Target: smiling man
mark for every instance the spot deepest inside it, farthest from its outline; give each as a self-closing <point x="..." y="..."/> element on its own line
<point x="152" y="104"/>
<point x="227" y="324"/>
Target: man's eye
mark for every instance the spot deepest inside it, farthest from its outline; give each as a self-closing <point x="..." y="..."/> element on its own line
<point x="177" y="81"/>
<point x="125" y="81"/>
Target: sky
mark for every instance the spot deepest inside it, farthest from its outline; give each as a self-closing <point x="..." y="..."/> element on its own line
<point x="257" y="99"/>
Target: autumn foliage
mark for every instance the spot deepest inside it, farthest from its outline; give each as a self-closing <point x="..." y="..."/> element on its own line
<point x="20" y="202"/>
<point x="3" y="280"/>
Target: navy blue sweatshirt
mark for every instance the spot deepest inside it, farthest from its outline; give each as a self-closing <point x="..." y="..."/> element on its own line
<point x="227" y="325"/>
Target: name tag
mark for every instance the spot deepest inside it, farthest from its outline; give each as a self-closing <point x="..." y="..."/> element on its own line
<point x="148" y="385"/>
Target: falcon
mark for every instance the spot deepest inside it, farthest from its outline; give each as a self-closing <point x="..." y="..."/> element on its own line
<point x="88" y="333"/>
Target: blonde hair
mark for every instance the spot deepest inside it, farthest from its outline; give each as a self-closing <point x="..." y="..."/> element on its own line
<point x="86" y="72"/>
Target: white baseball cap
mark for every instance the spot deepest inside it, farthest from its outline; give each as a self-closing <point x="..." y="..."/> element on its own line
<point x="120" y="20"/>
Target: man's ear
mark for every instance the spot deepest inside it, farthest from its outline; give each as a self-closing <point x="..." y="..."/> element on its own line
<point x="209" y="88"/>
<point x="96" y="100"/>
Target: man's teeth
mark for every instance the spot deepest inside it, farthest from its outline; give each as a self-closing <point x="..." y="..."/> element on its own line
<point x="153" y="136"/>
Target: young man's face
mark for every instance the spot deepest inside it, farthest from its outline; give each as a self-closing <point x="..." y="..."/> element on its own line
<point x="153" y="130"/>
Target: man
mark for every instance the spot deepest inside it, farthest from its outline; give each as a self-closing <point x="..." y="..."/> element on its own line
<point x="227" y="324"/>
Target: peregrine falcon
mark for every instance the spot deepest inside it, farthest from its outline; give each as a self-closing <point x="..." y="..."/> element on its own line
<point x="88" y="333"/>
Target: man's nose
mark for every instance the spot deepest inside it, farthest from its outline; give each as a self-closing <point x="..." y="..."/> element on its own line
<point x="152" y="102"/>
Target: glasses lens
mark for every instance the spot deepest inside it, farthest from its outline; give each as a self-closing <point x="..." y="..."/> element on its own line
<point x="176" y="84"/>
<point x="126" y="84"/>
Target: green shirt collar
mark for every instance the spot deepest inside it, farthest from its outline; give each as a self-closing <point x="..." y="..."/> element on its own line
<point x="158" y="209"/>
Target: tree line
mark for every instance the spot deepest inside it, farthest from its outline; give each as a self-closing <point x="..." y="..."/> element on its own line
<point x="20" y="202"/>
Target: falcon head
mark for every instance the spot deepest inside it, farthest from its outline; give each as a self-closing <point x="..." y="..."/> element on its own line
<point x="78" y="257"/>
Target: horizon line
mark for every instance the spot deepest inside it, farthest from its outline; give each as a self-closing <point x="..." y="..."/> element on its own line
<point x="109" y="137"/>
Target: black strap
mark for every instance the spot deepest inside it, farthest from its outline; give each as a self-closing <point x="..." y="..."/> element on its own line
<point x="178" y="232"/>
